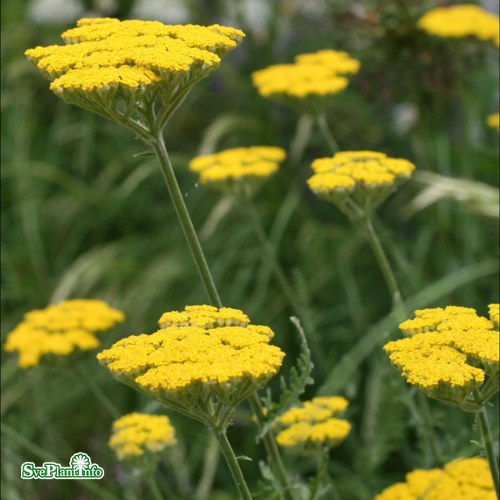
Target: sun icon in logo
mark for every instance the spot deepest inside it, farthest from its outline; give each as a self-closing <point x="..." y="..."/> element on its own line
<point x="79" y="462"/>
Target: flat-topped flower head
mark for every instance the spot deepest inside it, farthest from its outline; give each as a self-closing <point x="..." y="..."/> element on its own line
<point x="462" y="479"/>
<point x="310" y="82"/>
<point x="460" y="21"/>
<point x="136" y="435"/>
<point x="314" y="425"/>
<point x="60" y="329"/>
<point x="119" y="69"/>
<point x="358" y="181"/>
<point x="493" y="121"/>
<point x="232" y="168"/>
<point x="199" y="354"/>
<point x="451" y="354"/>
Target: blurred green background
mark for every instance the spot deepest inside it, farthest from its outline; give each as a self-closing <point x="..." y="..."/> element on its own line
<point x="82" y="217"/>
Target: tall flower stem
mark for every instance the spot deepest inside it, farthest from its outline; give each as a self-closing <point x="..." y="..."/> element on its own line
<point x="232" y="463"/>
<point x="281" y="276"/>
<point x="327" y="133"/>
<point x="185" y="221"/>
<point x="159" y="148"/>
<point x="484" y="429"/>
<point x="398" y="307"/>
<point x="385" y="267"/>
<point x="89" y="383"/>
<point x="153" y="485"/>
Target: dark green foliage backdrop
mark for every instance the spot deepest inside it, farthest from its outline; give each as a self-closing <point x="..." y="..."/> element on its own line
<point x="83" y="217"/>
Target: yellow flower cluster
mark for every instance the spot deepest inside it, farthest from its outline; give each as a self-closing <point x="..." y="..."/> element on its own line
<point x="310" y="81"/>
<point x="137" y="433"/>
<point x="493" y="120"/>
<point x="314" y="425"/>
<point x="234" y="165"/>
<point x="462" y="479"/>
<point x="360" y="179"/>
<point x="449" y="352"/>
<point x="460" y="21"/>
<point x="59" y="329"/>
<point x="198" y="353"/>
<point x="123" y="59"/>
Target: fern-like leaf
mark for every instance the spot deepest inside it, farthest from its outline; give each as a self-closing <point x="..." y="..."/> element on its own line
<point x="298" y="378"/>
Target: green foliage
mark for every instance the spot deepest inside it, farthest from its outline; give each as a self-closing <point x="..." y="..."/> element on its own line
<point x="85" y="214"/>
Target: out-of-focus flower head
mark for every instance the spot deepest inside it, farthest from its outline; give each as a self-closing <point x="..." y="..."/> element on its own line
<point x="315" y="425"/>
<point x="310" y="82"/>
<point x="60" y="329"/>
<point x="136" y="434"/>
<point x="460" y="21"/>
<point x="230" y="169"/>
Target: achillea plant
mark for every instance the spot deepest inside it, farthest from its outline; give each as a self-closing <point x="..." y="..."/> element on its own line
<point x="452" y="355"/>
<point x="232" y="169"/>
<point x="132" y="72"/>
<point x="60" y="330"/>
<point x="310" y="82"/>
<point x="358" y="181"/>
<point x="462" y="479"/>
<point x="202" y="362"/>
<point x="493" y="120"/>
<point x="136" y="435"/>
<point x="315" y="425"/>
<point x="460" y="21"/>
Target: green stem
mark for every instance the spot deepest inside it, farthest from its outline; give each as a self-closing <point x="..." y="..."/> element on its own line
<point x="327" y="133"/>
<point x="427" y="428"/>
<point x="484" y="428"/>
<point x="272" y="449"/>
<point x="232" y="463"/>
<point x="206" y="276"/>
<point x="89" y="383"/>
<point x="283" y="281"/>
<point x="153" y="485"/>
<point x="211" y="460"/>
<point x="385" y="267"/>
<point x="398" y="306"/>
<point x="185" y="221"/>
<point x="300" y="139"/>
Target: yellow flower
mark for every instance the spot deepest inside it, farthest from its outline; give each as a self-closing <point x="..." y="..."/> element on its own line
<point x="314" y="425"/>
<point x="198" y="354"/>
<point x="358" y="181"/>
<point x="232" y="166"/>
<point x="136" y="434"/>
<point x="462" y="479"/>
<point x="493" y="120"/>
<point x="310" y="82"/>
<point x="449" y="354"/>
<point x="120" y="68"/>
<point x="60" y="329"/>
<point x="459" y="21"/>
